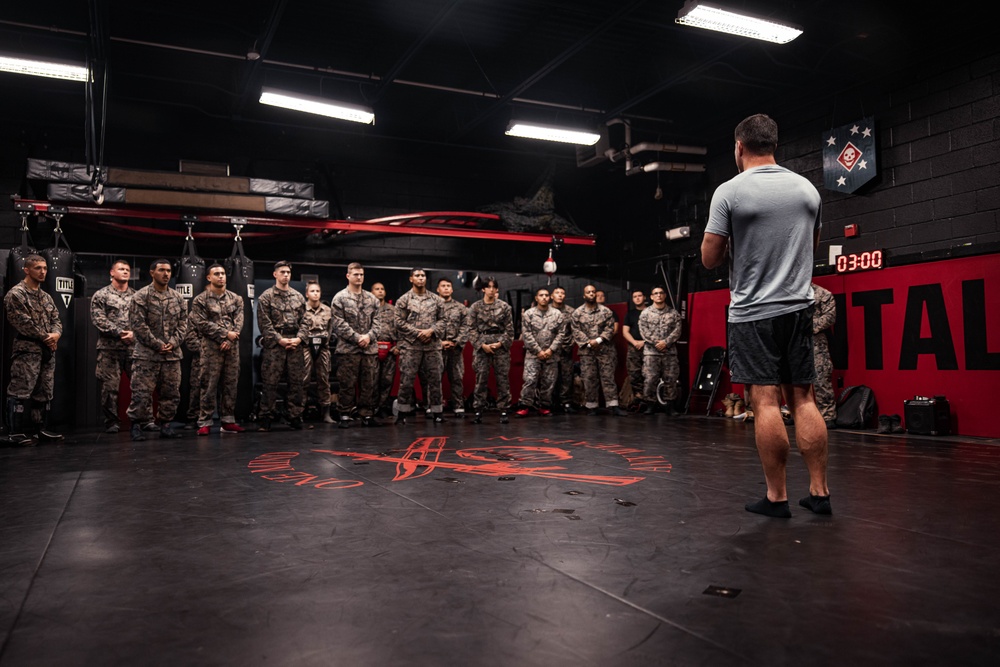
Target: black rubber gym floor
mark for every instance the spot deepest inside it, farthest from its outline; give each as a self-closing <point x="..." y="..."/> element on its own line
<point x="567" y="540"/>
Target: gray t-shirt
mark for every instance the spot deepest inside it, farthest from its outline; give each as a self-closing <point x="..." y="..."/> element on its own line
<point x="770" y="216"/>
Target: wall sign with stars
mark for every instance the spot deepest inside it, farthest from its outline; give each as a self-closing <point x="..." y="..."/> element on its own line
<point x="849" y="156"/>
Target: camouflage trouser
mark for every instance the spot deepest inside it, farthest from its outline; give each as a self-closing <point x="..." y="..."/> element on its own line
<point x="220" y="376"/>
<point x="320" y="372"/>
<point x="499" y="361"/>
<point x="30" y="377"/>
<point x="564" y="386"/>
<point x="386" y="376"/>
<point x="110" y="366"/>
<point x="162" y="376"/>
<point x="357" y="370"/>
<point x="634" y="364"/>
<point x="598" y="371"/>
<point x="276" y="362"/>
<point x="194" y="387"/>
<point x="412" y="361"/>
<point x="539" y="381"/>
<point x="826" y="400"/>
<point x="454" y="370"/>
<point x="661" y="367"/>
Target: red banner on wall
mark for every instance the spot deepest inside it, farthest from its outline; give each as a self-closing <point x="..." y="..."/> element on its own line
<point x="926" y="329"/>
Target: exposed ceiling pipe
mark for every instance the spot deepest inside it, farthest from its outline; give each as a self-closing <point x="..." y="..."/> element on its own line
<point x="666" y="166"/>
<point x="617" y="156"/>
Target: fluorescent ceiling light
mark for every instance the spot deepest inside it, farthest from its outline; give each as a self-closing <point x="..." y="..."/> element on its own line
<point x="551" y="133"/>
<point x="317" y="105"/>
<point x="713" y="17"/>
<point x="50" y="69"/>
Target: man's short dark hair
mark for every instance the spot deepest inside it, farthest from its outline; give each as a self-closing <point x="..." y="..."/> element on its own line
<point x="32" y="259"/>
<point x="282" y="264"/>
<point x="658" y="287"/>
<point x="444" y="280"/>
<point x="354" y="265"/>
<point x="157" y="262"/>
<point x="490" y="279"/>
<point x="415" y="269"/>
<point x="639" y="290"/>
<point x="121" y="261"/>
<point x="542" y="289"/>
<point x="215" y="266"/>
<point x="758" y="134"/>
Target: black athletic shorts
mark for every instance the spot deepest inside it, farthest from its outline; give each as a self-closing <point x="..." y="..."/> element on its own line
<point x="774" y="351"/>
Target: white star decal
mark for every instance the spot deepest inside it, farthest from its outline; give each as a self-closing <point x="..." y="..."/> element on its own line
<point x="832" y="141"/>
<point x="841" y="181"/>
<point x="854" y="130"/>
<point x="867" y="133"/>
<point x="862" y="164"/>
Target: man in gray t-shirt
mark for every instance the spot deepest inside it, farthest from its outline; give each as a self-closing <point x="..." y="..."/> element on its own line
<point x="767" y="220"/>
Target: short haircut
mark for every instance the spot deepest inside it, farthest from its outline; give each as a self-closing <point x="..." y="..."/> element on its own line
<point x="354" y="265"/>
<point x="639" y="290"/>
<point x="121" y="261"/>
<point x="312" y="282"/>
<point x="542" y="289"/>
<point x="444" y="280"/>
<point x="157" y="262"/>
<point x="33" y="258"/>
<point x="759" y="134"/>
<point x="282" y="264"/>
<point x="558" y="287"/>
<point x="658" y="287"/>
<point x="490" y="279"/>
<point x="415" y="269"/>
<point x="215" y="266"/>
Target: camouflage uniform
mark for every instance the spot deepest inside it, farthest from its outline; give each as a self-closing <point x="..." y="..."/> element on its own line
<point x="281" y="314"/>
<point x="415" y="312"/>
<point x="109" y="314"/>
<point x="192" y="351"/>
<point x="456" y="329"/>
<point x="564" y="385"/>
<point x="157" y="319"/>
<point x="316" y="352"/>
<point x="386" y="361"/>
<point x="541" y="330"/>
<point x="656" y="324"/>
<point x="214" y="316"/>
<point x="491" y="323"/>
<point x="597" y="366"/>
<point x="634" y="358"/>
<point x="355" y="316"/>
<point x="824" y="317"/>
<point x="33" y="315"/>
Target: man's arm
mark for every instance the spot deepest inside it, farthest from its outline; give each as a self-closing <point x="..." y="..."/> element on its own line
<point x="713" y="250"/>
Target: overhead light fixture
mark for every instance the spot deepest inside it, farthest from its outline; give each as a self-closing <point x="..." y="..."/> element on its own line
<point x="46" y="68"/>
<point x="551" y="133"/>
<point x="317" y="105"/>
<point x="713" y="17"/>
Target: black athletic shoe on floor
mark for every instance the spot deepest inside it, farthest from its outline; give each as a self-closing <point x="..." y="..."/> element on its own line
<point x="137" y="434"/>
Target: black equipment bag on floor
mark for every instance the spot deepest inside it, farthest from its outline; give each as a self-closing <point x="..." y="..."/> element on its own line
<point x="856" y="407"/>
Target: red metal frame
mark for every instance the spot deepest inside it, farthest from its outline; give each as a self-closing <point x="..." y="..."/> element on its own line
<point x="412" y="224"/>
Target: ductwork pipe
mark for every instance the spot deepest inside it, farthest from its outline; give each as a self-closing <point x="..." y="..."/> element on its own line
<point x="617" y="156"/>
<point x="666" y="166"/>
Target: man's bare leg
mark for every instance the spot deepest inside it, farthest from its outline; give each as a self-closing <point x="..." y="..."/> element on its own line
<point x="772" y="448"/>
<point x="811" y="439"/>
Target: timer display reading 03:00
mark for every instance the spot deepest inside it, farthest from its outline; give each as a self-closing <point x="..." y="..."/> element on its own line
<point x="859" y="261"/>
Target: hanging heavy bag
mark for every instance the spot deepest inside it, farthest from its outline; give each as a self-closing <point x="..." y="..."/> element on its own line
<point x="239" y="273"/>
<point x="61" y="284"/>
<point x="13" y="274"/>
<point x="190" y="282"/>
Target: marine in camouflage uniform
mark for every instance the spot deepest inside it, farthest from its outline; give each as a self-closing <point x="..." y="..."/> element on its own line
<point x="593" y="328"/>
<point x="281" y="320"/>
<point x="217" y="314"/>
<point x="33" y="315"/>
<point x="316" y="352"/>
<point x="542" y="332"/>
<point x="491" y="325"/>
<point x="660" y="326"/>
<point x="159" y="319"/>
<point x="388" y="353"/>
<point x="456" y="335"/>
<point x="564" y="383"/>
<point x="824" y="317"/>
<point x="109" y="315"/>
<point x="355" y="323"/>
<point x="633" y="338"/>
<point x="419" y="327"/>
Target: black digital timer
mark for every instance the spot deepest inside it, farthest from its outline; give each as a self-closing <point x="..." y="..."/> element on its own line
<point x="859" y="261"/>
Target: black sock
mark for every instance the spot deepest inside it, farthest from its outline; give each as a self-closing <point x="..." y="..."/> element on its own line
<point x="817" y="504"/>
<point x="764" y="506"/>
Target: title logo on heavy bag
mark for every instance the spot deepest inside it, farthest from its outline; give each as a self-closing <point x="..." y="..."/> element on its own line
<point x="250" y="291"/>
<point x="186" y="289"/>
<point x="64" y="286"/>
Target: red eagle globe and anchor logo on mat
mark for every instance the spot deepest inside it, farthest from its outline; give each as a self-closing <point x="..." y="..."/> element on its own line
<point x="503" y="458"/>
<point x="849" y="156"/>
